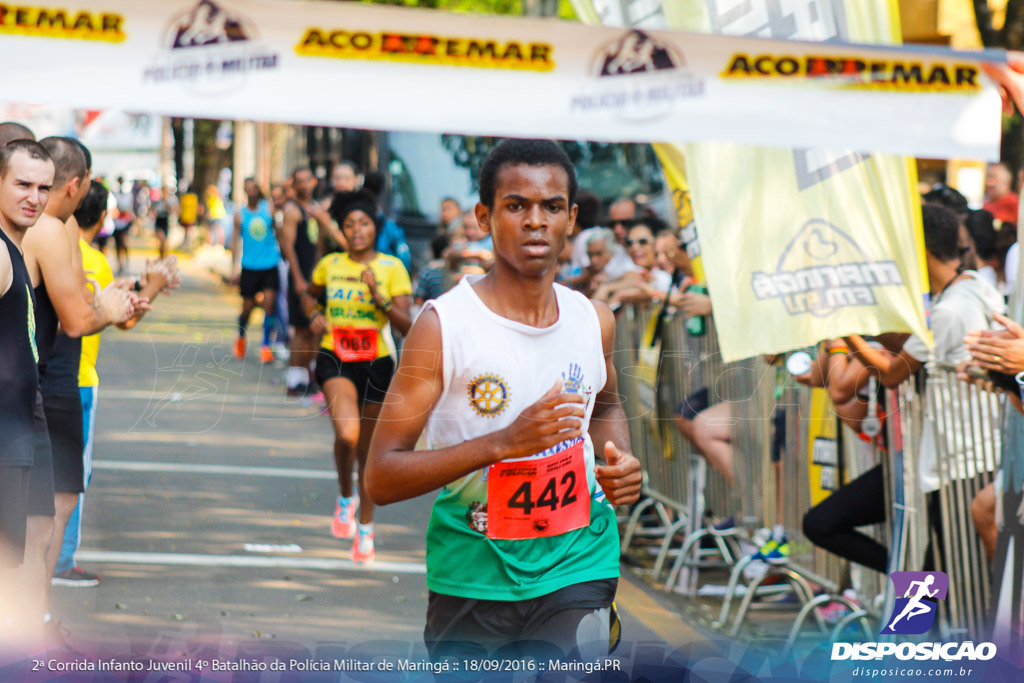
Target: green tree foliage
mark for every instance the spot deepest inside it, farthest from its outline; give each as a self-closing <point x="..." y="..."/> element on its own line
<point x="514" y="7"/>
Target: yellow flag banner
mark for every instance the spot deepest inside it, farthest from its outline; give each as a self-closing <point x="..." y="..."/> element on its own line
<point x="806" y="244"/>
<point x="671" y="158"/>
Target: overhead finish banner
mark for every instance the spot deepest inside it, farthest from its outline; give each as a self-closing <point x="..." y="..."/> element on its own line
<point x="349" y="64"/>
<point x="819" y="242"/>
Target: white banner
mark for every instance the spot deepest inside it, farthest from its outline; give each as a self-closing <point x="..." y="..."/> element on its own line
<point x="362" y="66"/>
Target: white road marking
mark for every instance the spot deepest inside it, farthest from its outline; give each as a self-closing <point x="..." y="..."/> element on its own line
<point x="193" y="560"/>
<point x="192" y="468"/>
<point x="267" y="548"/>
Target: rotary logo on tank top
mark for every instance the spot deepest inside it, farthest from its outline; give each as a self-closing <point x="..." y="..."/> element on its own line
<point x="488" y="395"/>
<point x="557" y="473"/>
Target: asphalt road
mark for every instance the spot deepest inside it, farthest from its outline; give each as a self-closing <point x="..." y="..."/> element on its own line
<point x="208" y="515"/>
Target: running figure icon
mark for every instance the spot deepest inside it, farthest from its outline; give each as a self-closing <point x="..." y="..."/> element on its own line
<point x="913" y="606"/>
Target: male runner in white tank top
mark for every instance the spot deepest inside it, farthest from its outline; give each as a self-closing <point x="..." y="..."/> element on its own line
<point x="511" y="376"/>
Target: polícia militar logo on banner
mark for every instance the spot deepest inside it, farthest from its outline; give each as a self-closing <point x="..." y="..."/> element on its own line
<point x="210" y="49"/>
<point x="917" y="595"/>
<point x="637" y="78"/>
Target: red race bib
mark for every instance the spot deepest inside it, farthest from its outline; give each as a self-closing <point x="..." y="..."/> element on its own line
<point x="355" y="344"/>
<point x="537" y="498"/>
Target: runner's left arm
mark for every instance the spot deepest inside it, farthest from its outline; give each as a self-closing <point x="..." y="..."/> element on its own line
<point x="620" y="477"/>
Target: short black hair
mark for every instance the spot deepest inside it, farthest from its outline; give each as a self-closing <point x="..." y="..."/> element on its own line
<point x="374" y="183"/>
<point x="68" y="159"/>
<point x="944" y="195"/>
<point x="12" y="130"/>
<point x="30" y="147"/>
<point x="652" y="221"/>
<point x="91" y="209"/>
<point x="353" y="166"/>
<point x="86" y="152"/>
<point x="299" y="170"/>
<point x="992" y="238"/>
<point x="941" y="232"/>
<point x="344" y="203"/>
<point x="439" y="244"/>
<point x="516" y="152"/>
<point x="589" y="214"/>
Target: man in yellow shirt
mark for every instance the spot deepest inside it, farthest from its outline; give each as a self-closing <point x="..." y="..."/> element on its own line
<point x="90" y="216"/>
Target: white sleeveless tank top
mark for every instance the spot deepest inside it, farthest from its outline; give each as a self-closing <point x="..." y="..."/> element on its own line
<point x="494" y="368"/>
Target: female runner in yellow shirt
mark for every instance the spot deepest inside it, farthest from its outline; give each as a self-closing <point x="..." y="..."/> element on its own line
<point x="364" y="295"/>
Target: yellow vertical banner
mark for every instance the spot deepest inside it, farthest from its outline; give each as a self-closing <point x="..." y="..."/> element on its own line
<point x="815" y="242"/>
<point x="672" y="163"/>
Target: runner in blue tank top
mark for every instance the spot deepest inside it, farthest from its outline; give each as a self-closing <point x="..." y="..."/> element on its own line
<point x="259" y="255"/>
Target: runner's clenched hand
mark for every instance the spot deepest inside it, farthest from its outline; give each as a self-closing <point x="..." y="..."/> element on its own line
<point x="554" y="418"/>
<point x="621" y="478"/>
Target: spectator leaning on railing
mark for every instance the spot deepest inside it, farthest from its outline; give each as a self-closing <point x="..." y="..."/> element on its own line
<point x="961" y="301"/>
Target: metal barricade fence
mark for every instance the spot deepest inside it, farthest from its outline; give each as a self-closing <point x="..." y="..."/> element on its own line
<point x="679" y="489"/>
<point x="965" y="421"/>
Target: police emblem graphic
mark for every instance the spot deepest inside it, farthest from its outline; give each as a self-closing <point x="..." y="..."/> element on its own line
<point x="636" y="53"/>
<point x="207" y="24"/>
<point x="917" y="595"/>
<point x="209" y="48"/>
<point x="488" y="394"/>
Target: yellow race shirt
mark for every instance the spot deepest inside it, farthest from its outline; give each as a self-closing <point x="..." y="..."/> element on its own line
<point x="97" y="268"/>
<point x="189" y="208"/>
<point x="349" y="304"/>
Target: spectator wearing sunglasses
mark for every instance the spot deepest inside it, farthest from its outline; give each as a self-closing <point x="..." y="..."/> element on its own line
<point x="649" y="282"/>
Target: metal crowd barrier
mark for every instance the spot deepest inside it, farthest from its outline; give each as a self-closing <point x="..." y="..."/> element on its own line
<point x="967" y="420"/>
<point x="680" y="489"/>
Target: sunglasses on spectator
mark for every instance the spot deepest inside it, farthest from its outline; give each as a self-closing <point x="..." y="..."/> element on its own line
<point x="626" y="223"/>
<point x="643" y="242"/>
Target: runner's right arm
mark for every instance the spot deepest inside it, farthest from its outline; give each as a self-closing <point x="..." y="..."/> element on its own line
<point x="236" y="245"/>
<point x="396" y="471"/>
<point x="289" y="228"/>
<point x="311" y="308"/>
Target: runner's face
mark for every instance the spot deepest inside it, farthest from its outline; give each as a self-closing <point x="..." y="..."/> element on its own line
<point x="252" y="191"/>
<point x="360" y="232"/>
<point x="531" y="217"/>
<point x="25" y="190"/>
<point x="305" y="183"/>
<point x="343" y="179"/>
